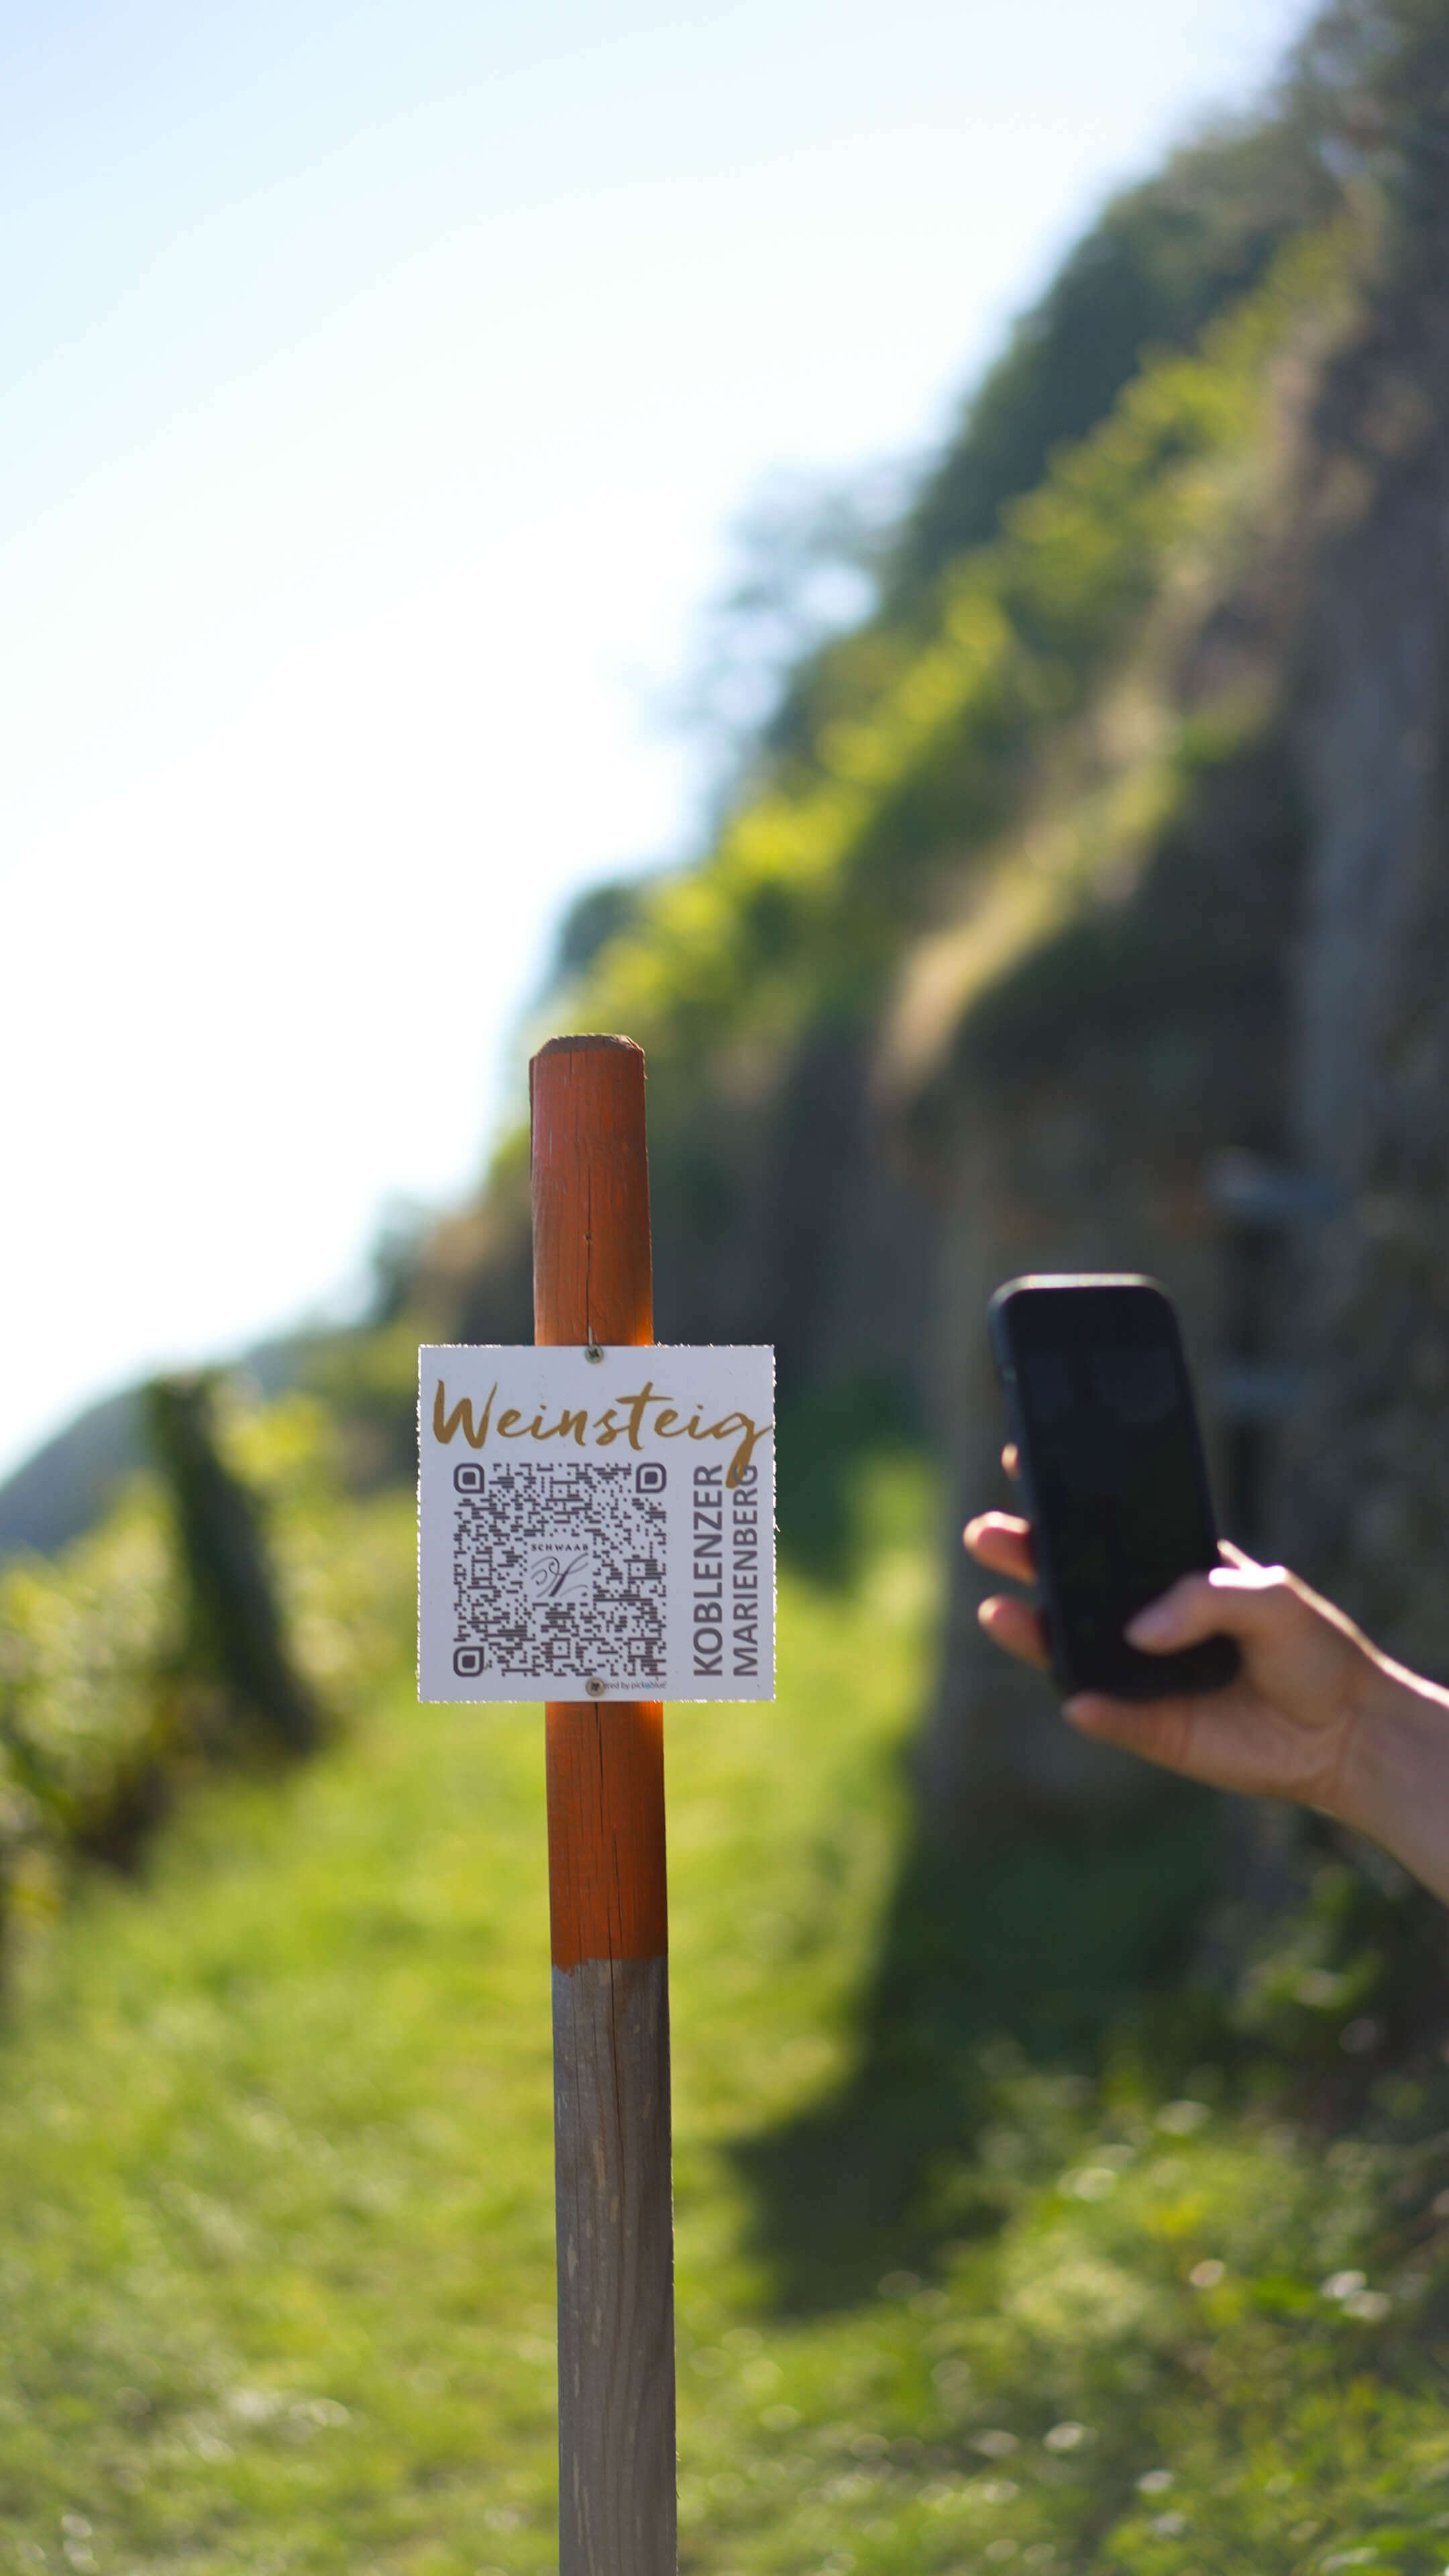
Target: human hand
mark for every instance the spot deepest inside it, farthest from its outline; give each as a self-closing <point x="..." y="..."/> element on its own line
<point x="1286" y="1727"/>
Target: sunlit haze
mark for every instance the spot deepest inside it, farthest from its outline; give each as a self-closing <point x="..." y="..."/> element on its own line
<point x="380" y="384"/>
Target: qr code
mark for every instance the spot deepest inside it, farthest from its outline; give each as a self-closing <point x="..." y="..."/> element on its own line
<point x="560" y="1570"/>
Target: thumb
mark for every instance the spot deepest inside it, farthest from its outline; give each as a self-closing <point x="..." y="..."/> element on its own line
<point x="1233" y="1600"/>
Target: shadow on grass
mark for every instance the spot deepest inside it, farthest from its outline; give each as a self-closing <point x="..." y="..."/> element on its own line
<point x="1054" y="1944"/>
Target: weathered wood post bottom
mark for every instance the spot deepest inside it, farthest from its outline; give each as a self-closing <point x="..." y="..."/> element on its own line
<point x="607" y="1894"/>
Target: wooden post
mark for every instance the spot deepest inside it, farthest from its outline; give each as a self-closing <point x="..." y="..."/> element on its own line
<point x="592" y="1285"/>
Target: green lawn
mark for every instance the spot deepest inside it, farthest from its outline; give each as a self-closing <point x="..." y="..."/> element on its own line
<point x="275" y="2155"/>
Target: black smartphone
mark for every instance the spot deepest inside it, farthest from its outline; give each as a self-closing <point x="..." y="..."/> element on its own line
<point x="1113" y="1475"/>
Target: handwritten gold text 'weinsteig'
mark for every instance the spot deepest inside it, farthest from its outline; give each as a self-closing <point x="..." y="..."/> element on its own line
<point x="600" y="1429"/>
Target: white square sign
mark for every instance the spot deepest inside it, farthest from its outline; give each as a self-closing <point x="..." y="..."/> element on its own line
<point x="598" y="1527"/>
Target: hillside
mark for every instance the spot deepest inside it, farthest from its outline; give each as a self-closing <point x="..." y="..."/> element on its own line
<point x="1080" y="908"/>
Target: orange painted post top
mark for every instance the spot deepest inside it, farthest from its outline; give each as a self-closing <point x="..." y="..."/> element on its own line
<point x="593" y="1283"/>
<point x="592" y="1265"/>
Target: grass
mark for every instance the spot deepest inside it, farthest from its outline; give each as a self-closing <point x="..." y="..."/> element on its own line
<point x="276" y="2254"/>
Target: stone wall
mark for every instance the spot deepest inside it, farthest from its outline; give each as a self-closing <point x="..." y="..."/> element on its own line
<point x="1362" y="1500"/>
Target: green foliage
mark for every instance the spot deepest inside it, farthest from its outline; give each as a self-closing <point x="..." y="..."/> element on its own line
<point x="92" y="1655"/>
<point x="368" y="1383"/>
<point x="114" y="1686"/>
<point x="821" y="877"/>
<point x="830" y="1447"/>
<point x="1162" y="260"/>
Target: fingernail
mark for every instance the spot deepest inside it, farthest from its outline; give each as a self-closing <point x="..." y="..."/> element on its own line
<point x="1153" y="1624"/>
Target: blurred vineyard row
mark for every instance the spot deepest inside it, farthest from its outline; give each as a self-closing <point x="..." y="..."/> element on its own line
<point x="120" y="1680"/>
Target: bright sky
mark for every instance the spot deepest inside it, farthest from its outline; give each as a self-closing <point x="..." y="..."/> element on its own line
<point x="377" y="386"/>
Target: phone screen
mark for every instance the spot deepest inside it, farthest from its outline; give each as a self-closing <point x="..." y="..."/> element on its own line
<point x="1114" y="1465"/>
